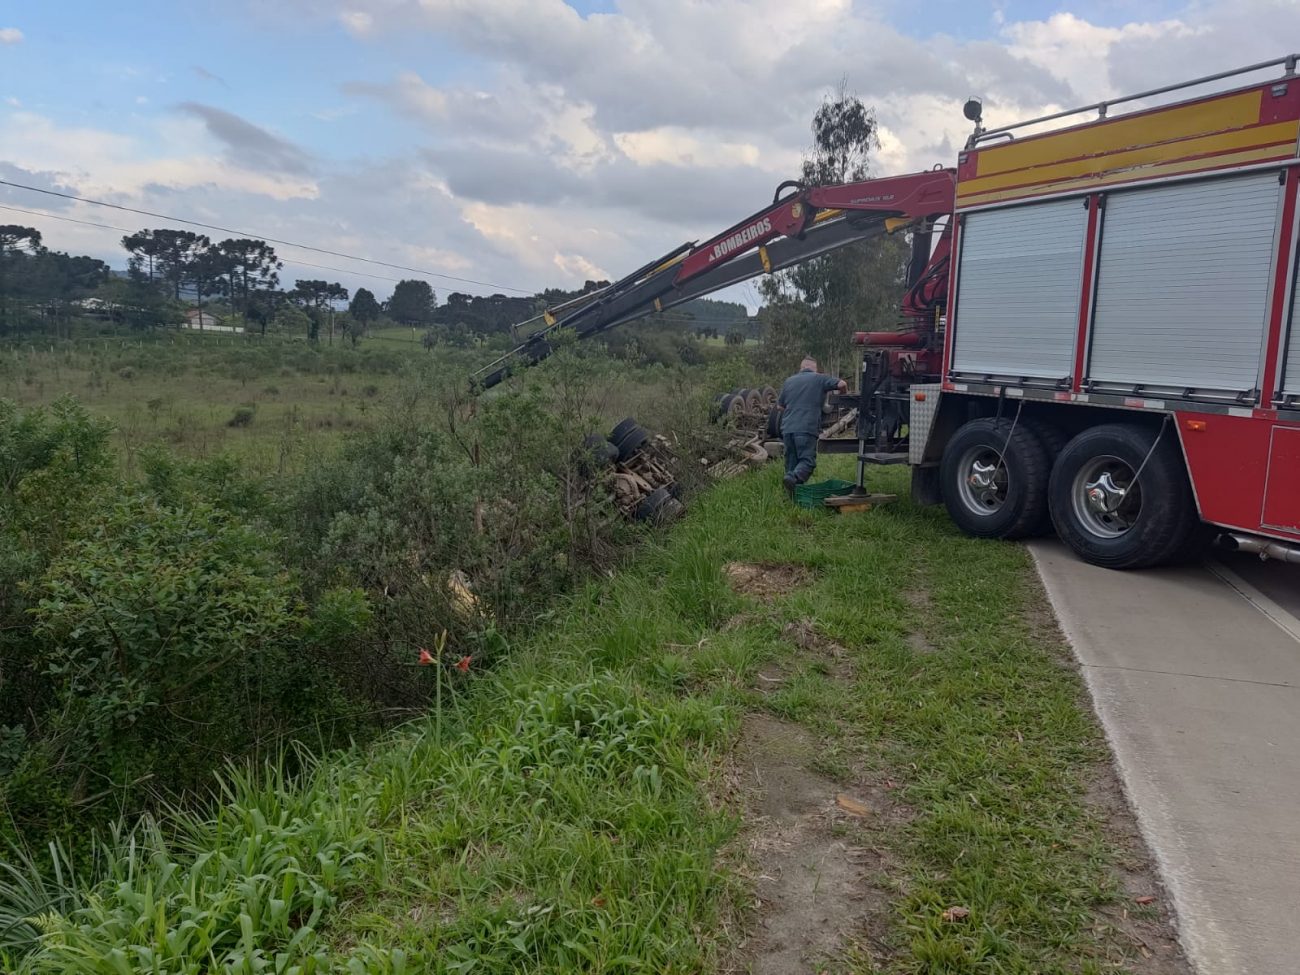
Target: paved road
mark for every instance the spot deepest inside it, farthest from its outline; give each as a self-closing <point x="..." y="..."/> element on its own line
<point x="1195" y="674"/>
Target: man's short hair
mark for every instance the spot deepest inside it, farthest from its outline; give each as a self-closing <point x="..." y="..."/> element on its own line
<point x="808" y="362"/>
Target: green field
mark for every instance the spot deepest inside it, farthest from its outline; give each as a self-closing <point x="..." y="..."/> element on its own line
<point x="274" y="402"/>
<point x="184" y="390"/>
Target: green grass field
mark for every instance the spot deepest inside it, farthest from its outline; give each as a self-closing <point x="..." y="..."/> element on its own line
<point x="186" y="390"/>
<point x="577" y="808"/>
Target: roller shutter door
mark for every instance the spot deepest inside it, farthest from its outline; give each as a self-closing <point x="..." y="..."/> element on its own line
<point x="1182" y="285"/>
<point x="1018" y="290"/>
<point x="1291" y="366"/>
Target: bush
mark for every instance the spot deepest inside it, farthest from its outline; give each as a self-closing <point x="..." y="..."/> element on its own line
<point x="242" y="417"/>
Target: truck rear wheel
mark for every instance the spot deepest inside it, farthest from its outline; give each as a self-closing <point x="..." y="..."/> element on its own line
<point x="993" y="477"/>
<point x="1110" y="515"/>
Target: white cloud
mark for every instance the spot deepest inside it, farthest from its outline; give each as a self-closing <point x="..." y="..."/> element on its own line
<point x="127" y="167"/>
<point x="357" y="22"/>
<point x="10" y="35"/>
<point x="557" y="147"/>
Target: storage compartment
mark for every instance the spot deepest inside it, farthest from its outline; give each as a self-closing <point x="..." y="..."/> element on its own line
<point x="1182" y="284"/>
<point x="1018" y="290"/>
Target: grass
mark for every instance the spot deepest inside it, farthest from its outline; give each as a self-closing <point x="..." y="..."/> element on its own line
<point x="183" y="389"/>
<point x="273" y="402"/>
<point x="563" y="814"/>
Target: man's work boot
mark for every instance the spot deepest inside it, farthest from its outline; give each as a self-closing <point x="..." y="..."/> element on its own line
<point x="791" y="482"/>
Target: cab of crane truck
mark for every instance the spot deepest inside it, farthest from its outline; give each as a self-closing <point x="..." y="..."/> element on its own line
<point x="1121" y="359"/>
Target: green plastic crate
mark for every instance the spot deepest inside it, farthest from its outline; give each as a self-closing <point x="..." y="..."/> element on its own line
<point x="815" y="495"/>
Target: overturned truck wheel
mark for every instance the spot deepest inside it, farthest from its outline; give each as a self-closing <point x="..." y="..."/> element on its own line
<point x="659" y="507"/>
<point x="633" y="439"/>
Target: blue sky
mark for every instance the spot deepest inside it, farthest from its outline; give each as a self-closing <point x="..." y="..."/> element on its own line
<point x="533" y="142"/>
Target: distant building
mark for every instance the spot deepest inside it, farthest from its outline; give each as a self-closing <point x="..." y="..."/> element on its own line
<point x="197" y="318"/>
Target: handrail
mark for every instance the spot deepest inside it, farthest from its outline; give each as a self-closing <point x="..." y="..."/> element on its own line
<point x="1101" y="107"/>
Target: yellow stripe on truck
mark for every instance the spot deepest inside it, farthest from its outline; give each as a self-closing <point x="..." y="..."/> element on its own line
<point x="1262" y="154"/>
<point x="1259" y="135"/>
<point x="1170" y="125"/>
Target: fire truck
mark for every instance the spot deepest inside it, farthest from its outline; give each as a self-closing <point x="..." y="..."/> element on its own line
<point x="1097" y="332"/>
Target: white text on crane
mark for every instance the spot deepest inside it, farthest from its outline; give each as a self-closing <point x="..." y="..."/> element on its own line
<point x="740" y="239"/>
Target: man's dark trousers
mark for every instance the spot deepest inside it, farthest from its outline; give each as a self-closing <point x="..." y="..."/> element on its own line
<point x="800" y="455"/>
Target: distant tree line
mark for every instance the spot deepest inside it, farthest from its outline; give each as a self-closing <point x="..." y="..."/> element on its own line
<point x="174" y="273"/>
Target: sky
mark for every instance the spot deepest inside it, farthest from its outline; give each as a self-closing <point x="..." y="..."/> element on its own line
<point x="525" y="144"/>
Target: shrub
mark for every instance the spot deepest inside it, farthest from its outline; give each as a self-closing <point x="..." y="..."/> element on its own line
<point x="169" y="635"/>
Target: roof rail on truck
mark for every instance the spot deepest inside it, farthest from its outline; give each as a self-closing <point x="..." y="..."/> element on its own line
<point x="1103" y="107"/>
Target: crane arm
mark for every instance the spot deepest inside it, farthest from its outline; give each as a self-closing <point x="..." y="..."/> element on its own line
<point x="797" y="227"/>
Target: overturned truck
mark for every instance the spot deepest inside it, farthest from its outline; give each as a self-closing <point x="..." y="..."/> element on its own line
<point x="1097" y="332"/>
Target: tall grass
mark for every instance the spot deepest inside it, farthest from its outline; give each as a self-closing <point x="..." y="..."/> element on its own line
<point x="556" y="827"/>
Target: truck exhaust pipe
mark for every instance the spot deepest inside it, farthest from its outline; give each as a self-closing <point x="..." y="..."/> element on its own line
<point x="1265" y="548"/>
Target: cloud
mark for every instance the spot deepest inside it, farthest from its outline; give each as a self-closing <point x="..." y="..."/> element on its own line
<point x="248" y="144"/>
<point x="40" y="179"/>
<point x="612" y="136"/>
<point x="10" y="35"/>
<point x="544" y="146"/>
<point x="357" y="22"/>
<point x="207" y="75"/>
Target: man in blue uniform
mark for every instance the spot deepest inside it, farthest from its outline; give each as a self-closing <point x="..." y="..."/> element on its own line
<point x="801" y="399"/>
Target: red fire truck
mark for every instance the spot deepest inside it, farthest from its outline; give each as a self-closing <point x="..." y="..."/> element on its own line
<point x="1097" y="332"/>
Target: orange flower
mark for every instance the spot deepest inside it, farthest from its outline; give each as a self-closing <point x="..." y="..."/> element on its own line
<point x="426" y="657"/>
<point x="463" y="664"/>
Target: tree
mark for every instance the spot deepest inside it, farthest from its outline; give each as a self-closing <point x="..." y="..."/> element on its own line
<point x="14" y="240"/>
<point x="364" y="308"/>
<point x="319" y="296"/>
<point x="351" y="327"/>
<point x="144" y="253"/>
<point x="175" y="255"/>
<point x="856" y="284"/>
<point x="249" y="266"/>
<point x="262" y="307"/>
<point x="413" y="302"/>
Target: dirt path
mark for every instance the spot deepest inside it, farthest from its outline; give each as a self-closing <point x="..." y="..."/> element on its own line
<point x="818" y="848"/>
<point x="815" y="882"/>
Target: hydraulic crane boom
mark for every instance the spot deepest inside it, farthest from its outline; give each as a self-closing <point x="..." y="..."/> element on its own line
<point x="806" y="223"/>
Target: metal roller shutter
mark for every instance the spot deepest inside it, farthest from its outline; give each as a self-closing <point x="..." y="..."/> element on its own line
<point x="1182" y="284"/>
<point x="1291" y="365"/>
<point x="1018" y="290"/>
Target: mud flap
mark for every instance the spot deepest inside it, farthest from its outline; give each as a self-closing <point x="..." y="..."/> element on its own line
<point x="925" y="484"/>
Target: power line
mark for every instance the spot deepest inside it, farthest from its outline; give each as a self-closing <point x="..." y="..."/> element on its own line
<point x="271" y="240"/>
<point x="108" y="226"/>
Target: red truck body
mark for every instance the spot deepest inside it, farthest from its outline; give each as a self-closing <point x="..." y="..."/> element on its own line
<point x="1099" y="330"/>
<point x="1135" y="268"/>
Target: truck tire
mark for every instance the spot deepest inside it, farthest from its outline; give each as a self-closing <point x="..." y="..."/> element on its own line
<point x="1053" y="439"/>
<point x="632" y="441"/>
<point x="732" y="405"/>
<point x="599" y="451"/>
<point x="659" y="507"/>
<point x="622" y="427"/>
<point x="993" y="477"/>
<point x="774" y="424"/>
<point x="1108" y="520"/>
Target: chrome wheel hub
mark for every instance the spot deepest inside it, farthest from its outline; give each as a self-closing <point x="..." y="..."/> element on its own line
<point x="1106" y="501"/>
<point x="984" y="480"/>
